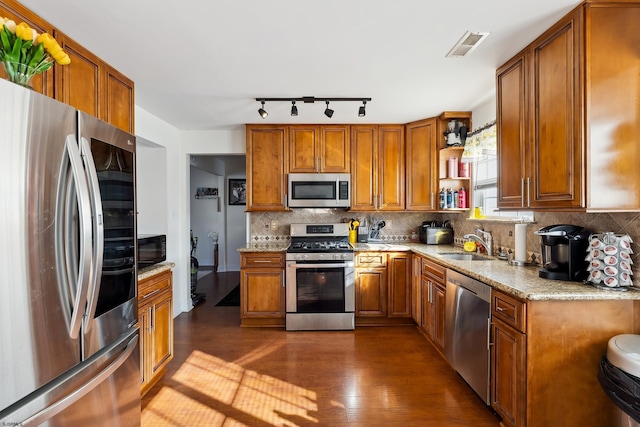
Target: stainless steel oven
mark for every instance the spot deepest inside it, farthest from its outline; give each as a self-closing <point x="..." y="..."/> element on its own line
<point x="320" y="278"/>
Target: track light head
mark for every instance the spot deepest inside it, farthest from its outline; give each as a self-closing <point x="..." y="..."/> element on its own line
<point x="362" y="110"/>
<point x="263" y="113"/>
<point x="328" y="111"/>
<point x="294" y="109"/>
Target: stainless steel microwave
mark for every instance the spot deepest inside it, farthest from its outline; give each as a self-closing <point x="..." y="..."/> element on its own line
<point x="319" y="190"/>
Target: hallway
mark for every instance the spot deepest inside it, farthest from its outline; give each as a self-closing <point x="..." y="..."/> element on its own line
<point x="224" y="375"/>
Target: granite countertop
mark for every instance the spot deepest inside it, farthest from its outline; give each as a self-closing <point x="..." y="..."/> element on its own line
<point x="522" y="282"/>
<point x="154" y="269"/>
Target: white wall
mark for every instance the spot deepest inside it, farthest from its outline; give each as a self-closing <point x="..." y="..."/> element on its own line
<point x="151" y="176"/>
<point x="179" y="146"/>
<point x="175" y="164"/>
<point x="207" y="216"/>
<point x="485" y="111"/>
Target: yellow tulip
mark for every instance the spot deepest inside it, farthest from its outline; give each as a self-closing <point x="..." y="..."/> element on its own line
<point x="24" y="31"/>
<point x="54" y="50"/>
<point x="64" y="60"/>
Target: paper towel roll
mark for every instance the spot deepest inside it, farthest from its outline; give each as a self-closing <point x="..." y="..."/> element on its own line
<point x="521" y="243"/>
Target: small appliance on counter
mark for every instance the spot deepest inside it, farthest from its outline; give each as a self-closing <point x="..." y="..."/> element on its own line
<point x="563" y="248"/>
<point x="433" y="234"/>
<point x="363" y="232"/>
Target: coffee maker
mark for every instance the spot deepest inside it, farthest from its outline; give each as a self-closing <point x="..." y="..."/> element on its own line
<point x="564" y="248"/>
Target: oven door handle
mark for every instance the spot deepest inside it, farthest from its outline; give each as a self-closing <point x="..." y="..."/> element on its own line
<point x="320" y="265"/>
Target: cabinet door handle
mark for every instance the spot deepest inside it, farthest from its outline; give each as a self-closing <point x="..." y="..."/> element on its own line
<point x="528" y="191"/>
<point x="150" y="314"/>
<point x="522" y="191"/>
<point x="145" y="296"/>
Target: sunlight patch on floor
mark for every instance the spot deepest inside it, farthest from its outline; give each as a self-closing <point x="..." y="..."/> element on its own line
<point x="214" y="392"/>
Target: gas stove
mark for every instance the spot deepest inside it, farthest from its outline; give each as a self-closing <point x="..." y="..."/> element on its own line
<point x="320" y="242"/>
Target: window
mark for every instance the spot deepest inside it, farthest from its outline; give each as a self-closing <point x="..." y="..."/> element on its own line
<point x="485" y="196"/>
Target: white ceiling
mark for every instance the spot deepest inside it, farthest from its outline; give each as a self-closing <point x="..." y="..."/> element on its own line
<point x="200" y="64"/>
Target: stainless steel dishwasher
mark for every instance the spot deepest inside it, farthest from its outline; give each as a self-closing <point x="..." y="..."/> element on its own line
<point x="467" y="323"/>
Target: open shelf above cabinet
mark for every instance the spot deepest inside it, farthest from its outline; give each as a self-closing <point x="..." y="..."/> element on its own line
<point x="452" y="173"/>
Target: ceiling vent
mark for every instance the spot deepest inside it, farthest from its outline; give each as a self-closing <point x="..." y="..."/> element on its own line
<point x="467" y="43"/>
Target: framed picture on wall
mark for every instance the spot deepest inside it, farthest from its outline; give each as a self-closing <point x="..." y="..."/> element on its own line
<point x="237" y="191"/>
<point x="206" y="193"/>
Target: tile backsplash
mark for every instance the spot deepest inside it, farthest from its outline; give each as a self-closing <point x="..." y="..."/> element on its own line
<point x="403" y="224"/>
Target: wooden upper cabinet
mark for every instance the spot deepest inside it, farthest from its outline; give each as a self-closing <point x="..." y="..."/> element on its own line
<point x="118" y="99"/>
<point x="303" y="146"/>
<point x="511" y="119"/>
<point x="377" y="167"/>
<point x="319" y="149"/>
<point x="557" y="154"/>
<point x="87" y="83"/>
<point x="391" y="167"/>
<point x="364" y="187"/>
<point x="78" y="83"/>
<point x="266" y="167"/>
<point x="43" y="82"/>
<point x="539" y="116"/>
<point x="335" y="149"/>
<point x="421" y="161"/>
<point x="613" y="109"/>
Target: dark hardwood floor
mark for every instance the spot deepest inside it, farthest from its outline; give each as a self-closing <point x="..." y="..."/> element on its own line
<point x="224" y="375"/>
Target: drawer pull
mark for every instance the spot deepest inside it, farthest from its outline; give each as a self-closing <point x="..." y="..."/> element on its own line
<point x="145" y="296"/>
<point x="499" y="309"/>
<point x="264" y="261"/>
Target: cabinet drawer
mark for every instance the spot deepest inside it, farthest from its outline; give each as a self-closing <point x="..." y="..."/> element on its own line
<point x="371" y="259"/>
<point x="509" y="309"/>
<point x="435" y="271"/>
<point x="154" y="285"/>
<point x="262" y="259"/>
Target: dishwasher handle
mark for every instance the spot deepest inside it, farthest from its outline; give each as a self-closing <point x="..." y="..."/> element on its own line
<point x="479" y="289"/>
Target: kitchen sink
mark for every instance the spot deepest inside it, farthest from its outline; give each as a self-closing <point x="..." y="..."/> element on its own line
<point x="464" y="257"/>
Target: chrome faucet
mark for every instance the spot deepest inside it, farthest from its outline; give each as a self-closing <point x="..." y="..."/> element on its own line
<point x="486" y="240"/>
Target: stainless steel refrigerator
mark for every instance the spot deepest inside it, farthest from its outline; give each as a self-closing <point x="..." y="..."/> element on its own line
<point x="69" y="353"/>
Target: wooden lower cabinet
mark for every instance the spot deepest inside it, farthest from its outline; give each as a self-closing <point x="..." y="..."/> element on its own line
<point x="508" y="373"/>
<point x="155" y="318"/>
<point x="433" y="279"/>
<point x="416" y="290"/>
<point x="383" y="288"/>
<point x="371" y="292"/>
<point x="262" y="289"/>
<point x="545" y="357"/>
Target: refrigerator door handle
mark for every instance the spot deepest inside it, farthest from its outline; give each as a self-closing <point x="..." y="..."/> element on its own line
<point x="98" y="231"/>
<point x="85" y="240"/>
<point x="51" y="411"/>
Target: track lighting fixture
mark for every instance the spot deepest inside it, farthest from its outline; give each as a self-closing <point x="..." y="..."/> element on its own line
<point x="310" y="100"/>
<point x="362" y="110"/>
<point x="328" y="111"/>
<point x="263" y="113"/>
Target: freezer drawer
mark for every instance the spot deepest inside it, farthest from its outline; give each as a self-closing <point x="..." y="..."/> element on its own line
<point x="104" y="391"/>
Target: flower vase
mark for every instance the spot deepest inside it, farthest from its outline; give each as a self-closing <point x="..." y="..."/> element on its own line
<point x="19" y="73"/>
